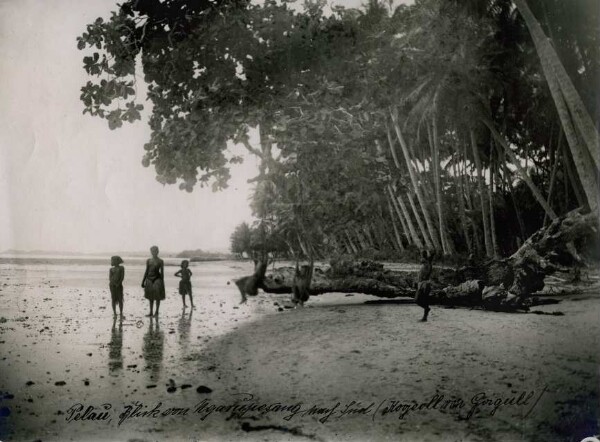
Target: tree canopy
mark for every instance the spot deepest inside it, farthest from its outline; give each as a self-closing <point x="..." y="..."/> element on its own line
<point x="382" y="129"/>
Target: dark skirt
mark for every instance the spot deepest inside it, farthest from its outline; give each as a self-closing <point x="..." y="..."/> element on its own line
<point x="154" y="290"/>
<point x="116" y="292"/>
<point x="422" y="296"/>
<point x="185" y="287"/>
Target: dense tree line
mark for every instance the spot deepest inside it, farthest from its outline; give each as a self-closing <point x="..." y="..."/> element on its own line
<point x="459" y="126"/>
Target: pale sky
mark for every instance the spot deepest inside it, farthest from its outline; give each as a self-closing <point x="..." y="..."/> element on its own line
<point x="69" y="183"/>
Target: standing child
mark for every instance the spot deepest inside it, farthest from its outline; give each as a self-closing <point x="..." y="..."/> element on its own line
<point x="116" y="275"/>
<point x="424" y="283"/>
<point x="185" y="285"/>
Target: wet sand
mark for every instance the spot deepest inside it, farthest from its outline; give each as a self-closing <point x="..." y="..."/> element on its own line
<point x="56" y="326"/>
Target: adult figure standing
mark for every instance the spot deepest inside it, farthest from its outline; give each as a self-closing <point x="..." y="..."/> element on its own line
<point x="153" y="282"/>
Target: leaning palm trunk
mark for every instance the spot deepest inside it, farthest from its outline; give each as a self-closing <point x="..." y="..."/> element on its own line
<point x="576" y="121"/>
<point x="480" y="184"/>
<point x="555" y="73"/>
<point x="395" y="205"/>
<point x="420" y="223"/>
<point x="424" y="233"/>
<point x="522" y="172"/>
<point x="492" y="218"/>
<point x="352" y="246"/>
<point x="553" y="173"/>
<point x="573" y="180"/>
<point x="462" y="212"/>
<point x="369" y="235"/>
<point x="411" y="227"/>
<point x="435" y="148"/>
<point x="460" y="192"/>
<point x="514" y="202"/>
<point x="395" y="226"/>
<point x="413" y="178"/>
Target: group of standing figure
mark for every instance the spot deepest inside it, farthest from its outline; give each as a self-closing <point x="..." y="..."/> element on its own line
<point x="154" y="285"/>
<point x="153" y="282"/>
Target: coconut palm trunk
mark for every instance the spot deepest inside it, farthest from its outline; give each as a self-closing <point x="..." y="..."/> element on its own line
<point x="522" y="172"/>
<point x="398" y="211"/>
<point x="436" y="166"/>
<point x="579" y="128"/>
<point x="557" y="157"/>
<point x="411" y="226"/>
<point x="481" y="186"/>
<point x="420" y="223"/>
<point x="492" y="218"/>
<point x="556" y="73"/>
<point x="424" y="233"/>
<point x="352" y="246"/>
<point x="413" y="178"/>
<point x="461" y="207"/>
<point x="395" y="226"/>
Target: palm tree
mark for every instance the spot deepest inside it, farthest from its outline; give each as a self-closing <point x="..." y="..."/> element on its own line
<point x="580" y="131"/>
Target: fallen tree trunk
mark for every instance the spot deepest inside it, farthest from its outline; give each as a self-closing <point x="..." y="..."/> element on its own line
<point x="546" y="251"/>
<point x="498" y="284"/>
<point x="280" y="281"/>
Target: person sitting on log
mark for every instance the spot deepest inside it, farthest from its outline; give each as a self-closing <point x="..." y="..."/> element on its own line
<point x="424" y="283"/>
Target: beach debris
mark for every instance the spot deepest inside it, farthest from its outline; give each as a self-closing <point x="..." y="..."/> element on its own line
<point x="28" y="383"/>
<point x="202" y="389"/>
<point x="186" y="386"/>
<point x="60" y="383"/>
<point x="171" y="386"/>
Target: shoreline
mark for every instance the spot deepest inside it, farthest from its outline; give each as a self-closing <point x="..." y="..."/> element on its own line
<point x="340" y="348"/>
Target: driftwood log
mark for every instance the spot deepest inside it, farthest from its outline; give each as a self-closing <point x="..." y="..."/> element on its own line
<point x="499" y="284"/>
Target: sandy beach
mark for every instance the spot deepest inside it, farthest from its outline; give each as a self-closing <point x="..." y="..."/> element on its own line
<point x="345" y="367"/>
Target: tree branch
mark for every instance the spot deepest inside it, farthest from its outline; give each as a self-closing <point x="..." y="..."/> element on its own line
<point x="251" y="149"/>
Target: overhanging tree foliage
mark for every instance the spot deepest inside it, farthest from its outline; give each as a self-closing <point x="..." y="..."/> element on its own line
<point x="381" y="129"/>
